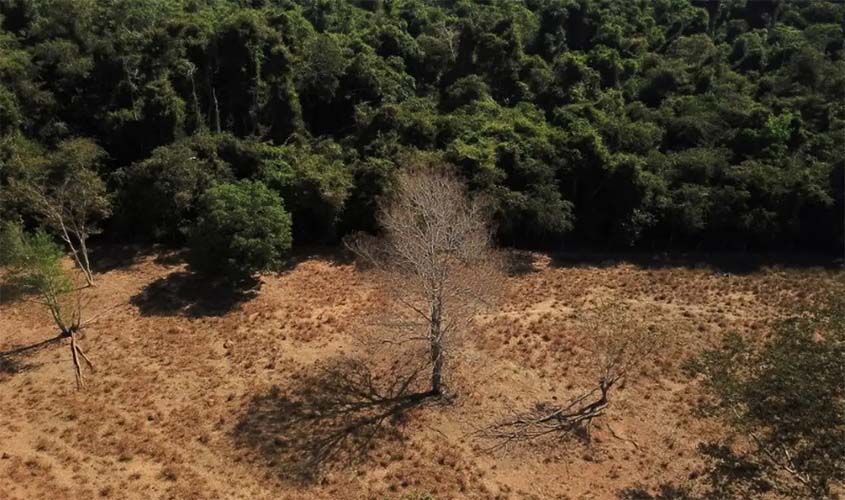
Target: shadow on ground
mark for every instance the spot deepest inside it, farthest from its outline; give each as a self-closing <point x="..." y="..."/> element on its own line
<point x="183" y="293"/>
<point x="186" y="293"/>
<point x="11" y="362"/>
<point x="108" y="257"/>
<point x="727" y="263"/>
<point x="9" y="294"/>
<point x="724" y="474"/>
<point x="520" y="262"/>
<point x="30" y="349"/>
<point x="336" y="415"/>
<point x="12" y="366"/>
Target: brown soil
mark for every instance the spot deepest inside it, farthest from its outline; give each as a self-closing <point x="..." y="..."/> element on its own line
<point x="200" y="393"/>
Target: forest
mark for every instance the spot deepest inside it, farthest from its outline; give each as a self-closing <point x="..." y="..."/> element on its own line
<point x="660" y="125"/>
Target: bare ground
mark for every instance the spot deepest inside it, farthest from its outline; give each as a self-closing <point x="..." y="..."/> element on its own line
<point x="204" y="393"/>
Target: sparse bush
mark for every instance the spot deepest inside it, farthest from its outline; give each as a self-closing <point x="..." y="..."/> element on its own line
<point x="242" y="229"/>
<point x="34" y="264"/>
<point x="11" y="242"/>
<point x="34" y="268"/>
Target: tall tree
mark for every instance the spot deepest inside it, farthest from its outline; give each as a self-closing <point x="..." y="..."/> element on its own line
<point x="70" y="197"/>
<point x="434" y="259"/>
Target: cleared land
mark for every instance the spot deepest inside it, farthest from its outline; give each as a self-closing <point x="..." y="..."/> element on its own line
<point x="204" y="394"/>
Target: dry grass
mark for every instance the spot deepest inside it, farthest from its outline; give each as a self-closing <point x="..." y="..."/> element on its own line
<point x="172" y="411"/>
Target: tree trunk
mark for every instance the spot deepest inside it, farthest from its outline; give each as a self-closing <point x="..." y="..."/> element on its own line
<point x="77" y="367"/>
<point x="437" y="368"/>
<point x="89" y="275"/>
<point x="199" y="121"/>
<point x="436" y="336"/>
<point x="256" y="89"/>
<point x="85" y="267"/>
<point x="216" y="107"/>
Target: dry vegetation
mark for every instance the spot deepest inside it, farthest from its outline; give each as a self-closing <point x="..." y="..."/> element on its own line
<point x="200" y="394"/>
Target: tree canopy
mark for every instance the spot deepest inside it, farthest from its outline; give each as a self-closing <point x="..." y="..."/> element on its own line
<point x="242" y="229"/>
<point x="658" y="123"/>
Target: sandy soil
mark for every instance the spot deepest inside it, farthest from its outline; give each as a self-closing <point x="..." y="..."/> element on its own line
<point x="199" y="393"/>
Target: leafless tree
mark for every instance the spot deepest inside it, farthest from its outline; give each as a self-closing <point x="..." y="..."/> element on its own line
<point x="618" y="345"/>
<point x="435" y="261"/>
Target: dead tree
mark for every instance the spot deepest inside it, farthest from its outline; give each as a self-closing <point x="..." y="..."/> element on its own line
<point x="435" y="261"/>
<point x="618" y="345"/>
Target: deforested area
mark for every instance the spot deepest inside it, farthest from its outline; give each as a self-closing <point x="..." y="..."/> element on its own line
<point x="413" y="249"/>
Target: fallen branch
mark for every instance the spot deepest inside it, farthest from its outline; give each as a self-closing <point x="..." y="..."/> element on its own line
<point x="545" y="419"/>
<point x="622" y="438"/>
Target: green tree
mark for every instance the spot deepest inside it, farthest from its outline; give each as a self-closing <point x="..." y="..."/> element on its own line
<point x="758" y="85"/>
<point x="69" y="196"/>
<point x="159" y="196"/>
<point x="314" y="183"/>
<point x="242" y="229"/>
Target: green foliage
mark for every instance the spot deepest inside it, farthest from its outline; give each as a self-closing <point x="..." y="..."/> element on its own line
<point x="11" y="243"/>
<point x="242" y="229"/>
<point x="511" y="155"/>
<point x="61" y="189"/>
<point x="313" y="181"/>
<point x="33" y="264"/>
<point x="789" y="397"/>
<point x="658" y="123"/>
<point x="160" y="195"/>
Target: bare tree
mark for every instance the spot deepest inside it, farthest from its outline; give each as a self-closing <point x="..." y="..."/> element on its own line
<point x="618" y="344"/>
<point x="70" y="197"/>
<point x="435" y="261"/>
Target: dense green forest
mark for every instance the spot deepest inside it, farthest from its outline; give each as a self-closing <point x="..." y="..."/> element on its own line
<point x="655" y="124"/>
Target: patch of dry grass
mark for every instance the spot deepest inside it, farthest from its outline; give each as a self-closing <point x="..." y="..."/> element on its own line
<point x="172" y="386"/>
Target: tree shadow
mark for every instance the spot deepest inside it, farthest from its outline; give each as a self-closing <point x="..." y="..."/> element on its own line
<point x="9" y="294"/>
<point x="190" y="294"/>
<point x="108" y="257"/>
<point x="10" y="363"/>
<point x="334" y="416"/>
<point x="29" y="349"/>
<point x="520" y="263"/>
<point x="11" y="366"/>
<point x="725" y="474"/>
<point x="728" y="263"/>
